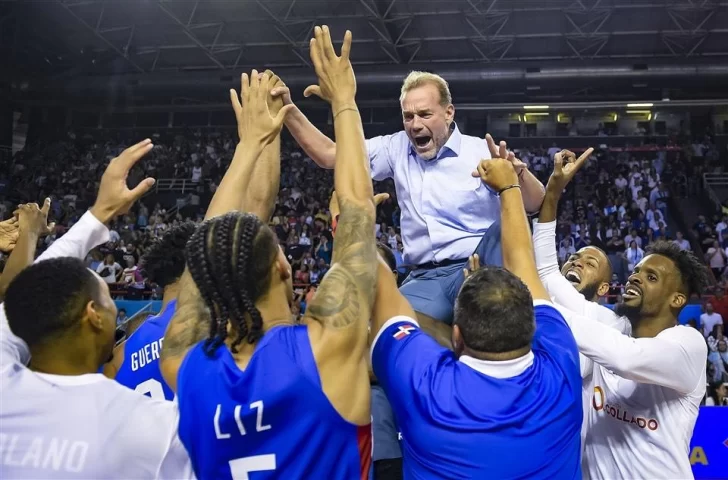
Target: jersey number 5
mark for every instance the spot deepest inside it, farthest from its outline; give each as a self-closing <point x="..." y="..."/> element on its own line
<point x="241" y="467"/>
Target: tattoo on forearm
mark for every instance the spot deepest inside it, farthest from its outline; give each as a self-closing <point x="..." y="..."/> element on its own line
<point x="346" y="293"/>
<point x="190" y="322"/>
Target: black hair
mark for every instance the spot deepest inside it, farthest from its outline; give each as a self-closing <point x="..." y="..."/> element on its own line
<point x="49" y="298"/>
<point x="387" y="255"/>
<point x="229" y="258"/>
<point x="494" y="311"/>
<point x="164" y="261"/>
<point x="693" y="273"/>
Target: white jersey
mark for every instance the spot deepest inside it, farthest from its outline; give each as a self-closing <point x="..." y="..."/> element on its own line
<point x="565" y="296"/>
<point x="641" y="427"/>
<point x="642" y="395"/>
<point x="84" y="426"/>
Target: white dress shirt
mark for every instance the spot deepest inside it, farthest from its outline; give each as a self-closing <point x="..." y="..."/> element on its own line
<point x="445" y="210"/>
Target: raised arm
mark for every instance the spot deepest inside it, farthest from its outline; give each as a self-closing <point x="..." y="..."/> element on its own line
<point x="518" y="258"/>
<point x="32" y="224"/>
<point x="260" y="195"/>
<point x="338" y="316"/>
<point x="563" y="293"/>
<point x="318" y="146"/>
<point x="643" y="359"/>
<point x="532" y="189"/>
<point x="258" y="129"/>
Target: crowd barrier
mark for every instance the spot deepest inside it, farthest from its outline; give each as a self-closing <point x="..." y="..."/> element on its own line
<point x="709" y="446"/>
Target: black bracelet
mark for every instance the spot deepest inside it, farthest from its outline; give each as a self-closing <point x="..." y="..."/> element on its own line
<point x="507" y="188"/>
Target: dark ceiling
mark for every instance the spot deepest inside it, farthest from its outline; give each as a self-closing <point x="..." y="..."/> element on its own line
<point x="490" y="50"/>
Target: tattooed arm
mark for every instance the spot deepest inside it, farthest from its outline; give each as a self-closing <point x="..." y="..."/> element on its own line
<point x="338" y="316"/>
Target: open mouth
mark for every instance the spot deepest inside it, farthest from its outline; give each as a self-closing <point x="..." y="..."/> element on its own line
<point x="631" y="292"/>
<point x="573" y="276"/>
<point x="422" y="142"/>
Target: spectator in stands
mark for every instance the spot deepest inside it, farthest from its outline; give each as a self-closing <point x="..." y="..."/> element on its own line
<point x="716" y="259"/>
<point x="710" y="321"/>
<point x="681" y="242"/>
<point x="717" y="395"/>
<point x="109" y="270"/>
<point x="634" y="254"/>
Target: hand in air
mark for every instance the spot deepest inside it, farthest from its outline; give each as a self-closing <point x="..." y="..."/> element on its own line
<point x="8" y="234"/>
<point x="497" y="173"/>
<point x="256" y="123"/>
<point x="114" y="197"/>
<point x="501" y="151"/>
<point x="34" y="219"/>
<point x="335" y="75"/>
<point x="473" y="265"/>
<point x="565" y="167"/>
<point x="282" y="97"/>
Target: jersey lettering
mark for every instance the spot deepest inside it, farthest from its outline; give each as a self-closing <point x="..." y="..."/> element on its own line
<point x="259" y="425"/>
<point x="241" y="467"/>
<point x="146" y="355"/>
<point x="58" y="454"/>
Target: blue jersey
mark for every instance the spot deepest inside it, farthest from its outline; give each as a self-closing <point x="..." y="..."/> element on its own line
<point x="272" y="419"/>
<point x="140" y="369"/>
<point x="459" y="423"/>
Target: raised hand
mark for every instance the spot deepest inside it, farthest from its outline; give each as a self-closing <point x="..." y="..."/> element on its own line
<point x="501" y="151"/>
<point x="256" y="122"/>
<point x="114" y="197"/>
<point x="473" y="265"/>
<point x="8" y="234"/>
<point x="277" y="101"/>
<point x="565" y="167"/>
<point x="279" y="90"/>
<point x="337" y="84"/>
<point x="34" y="219"/>
<point x="497" y="173"/>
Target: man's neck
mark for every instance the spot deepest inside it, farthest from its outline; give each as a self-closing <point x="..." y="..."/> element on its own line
<point x="69" y="363"/>
<point x="651" y="327"/>
<point x="170" y="293"/>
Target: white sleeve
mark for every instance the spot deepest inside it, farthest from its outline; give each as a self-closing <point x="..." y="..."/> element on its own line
<point x="12" y="348"/>
<point x="86" y="234"/>
<point x="151" y="439"/>
<point x="380" y="160"/>
<point x="561" y="291"/>
<point x="675" y="358"/>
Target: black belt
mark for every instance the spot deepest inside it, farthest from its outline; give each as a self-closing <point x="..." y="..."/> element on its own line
<point x="444" y="263"/>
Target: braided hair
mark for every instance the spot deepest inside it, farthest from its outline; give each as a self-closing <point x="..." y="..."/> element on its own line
<point x="230" y="258"/>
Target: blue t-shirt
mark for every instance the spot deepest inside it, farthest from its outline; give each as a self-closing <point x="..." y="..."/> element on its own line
<point x="459" y="423"/>
<point x="273" y="418"/>
<point x="140" y="370"/>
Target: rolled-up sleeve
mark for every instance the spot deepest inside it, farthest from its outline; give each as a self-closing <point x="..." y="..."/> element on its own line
<point x="380" y="150"/>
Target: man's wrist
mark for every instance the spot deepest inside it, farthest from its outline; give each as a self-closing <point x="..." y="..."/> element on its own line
<point x="103" y="215"/>
<point x="339" y="106"/>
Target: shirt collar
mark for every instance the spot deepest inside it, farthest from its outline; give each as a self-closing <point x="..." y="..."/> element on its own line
<point x="500" y="368"/>
<point x="451" y="147"/>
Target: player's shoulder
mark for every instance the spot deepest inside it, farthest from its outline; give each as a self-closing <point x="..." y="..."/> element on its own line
<point x="687" y="336"/>
<point x="398" y="328"/>
<point x="546" y="308"/>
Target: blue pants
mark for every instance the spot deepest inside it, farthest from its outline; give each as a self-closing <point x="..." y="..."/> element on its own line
<point x="385" y="433"/>
<point x="433" y="291"/>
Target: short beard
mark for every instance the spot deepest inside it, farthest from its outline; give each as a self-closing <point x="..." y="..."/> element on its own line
<point x="633" y="314"/>
<point x="590" y="291"/>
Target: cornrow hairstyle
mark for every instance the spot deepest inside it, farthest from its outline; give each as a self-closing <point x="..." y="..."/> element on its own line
<point x="694" y="274"/>
<point x="229" y="258"/>
<point x="164" y="261"/>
